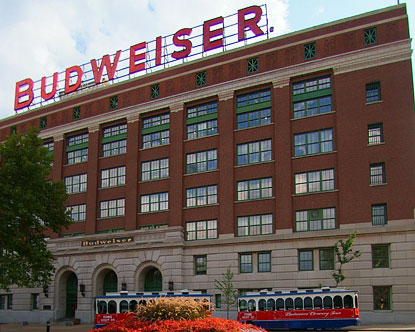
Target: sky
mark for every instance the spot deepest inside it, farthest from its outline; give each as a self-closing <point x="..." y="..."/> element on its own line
<point x="47" y="36"/>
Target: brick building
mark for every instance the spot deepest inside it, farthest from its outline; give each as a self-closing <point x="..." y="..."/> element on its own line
<point x="260" y="158"/>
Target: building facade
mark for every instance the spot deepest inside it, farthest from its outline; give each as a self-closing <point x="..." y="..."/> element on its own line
<point x="260" y="159"/>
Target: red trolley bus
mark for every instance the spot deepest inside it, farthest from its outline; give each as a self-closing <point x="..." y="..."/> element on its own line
<point x="113" y="307"/>
<point x="300" y="309"/>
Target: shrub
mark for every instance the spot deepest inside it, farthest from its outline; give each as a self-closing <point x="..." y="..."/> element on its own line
<point x="173" y="308"/>
<point x="208" y="324"/>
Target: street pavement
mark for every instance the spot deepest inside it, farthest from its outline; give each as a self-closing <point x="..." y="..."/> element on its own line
<point x="16" y="327"/>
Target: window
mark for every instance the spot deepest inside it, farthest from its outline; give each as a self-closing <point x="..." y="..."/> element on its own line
<point x="313" y="142"/>
<point x="377" y="173"/>
<point x="34" y="299"/>
<point x="155" y="169"/>
<point x="373" y="92"/>
<point x="315" y="220"/>
<point x="113" y="103"/>
<point x="326" y="259"/>
<point x="78" y="212"/>
<point x="218" y="300"/>
<point x="252" y="65"/>
<point x="314" y="181"/>
<point x="375" y="133"/>
<point x="200" y="265"/>
<point x="43" y="122"/>
<point x="255" y="225"/>
<point x="155" y="91"/>
<point x="155" y="131"/>
<point x="112" y="208"/>
<point x="155" y="202"/>
<point x="202" y="120"/>
<point x="380" y="256"/>
<point x="200" y="79"/>
<point x="50" y="146"/>
<point x="201" y="230"/>
<point x="379" y="215"/>
<point x="254" y="152"/>
<point x="253" y="109"/>
<point x="114" y="140"/>
<point x="77" y="149"/>
<point x="9" y="301"/>
<point x="201" y="161"/>
<point x="76" y="113"/>
<point x="264" y="262"/>
<point x="254" y="119"/>
<point x="113" y="177"/>
<point x="370" y="36"/>
<point x="245" y="263"/>
<point x="2" y="302"/>
<point x="254" y="189"/>
<point x="309" y="51"/>
<point x="76" y="183"/>
<point x="13" y="130"/>
<point x="201" y="196"/>
<point x="382" y="297"/>
<point x="305" y="260"/>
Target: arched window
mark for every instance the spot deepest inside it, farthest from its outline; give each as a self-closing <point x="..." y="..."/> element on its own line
<point x="348" y="302"/>
<point x="142" y="302"/>
<point x="270" y="304"/>
<point x="308" y="303"/>
<point x="123" y="306"/>
<point x="289" y="304"/>
<point x="153" y="281"/>
<point x="279" y="304"/>
<point x="298" y="303"/>
<point x="102" y="307"/>
<point x="133" y="305"/>
<point x="110" y="282"/>
<point x="328" y="302"/>
<point x="262" y="305"/>
<point x="338" y="302"/>
<point x="112" y="307"/>
<point x="243" y="305"/>
<point x="251" y="305"/>
<point x="318" y="303"/>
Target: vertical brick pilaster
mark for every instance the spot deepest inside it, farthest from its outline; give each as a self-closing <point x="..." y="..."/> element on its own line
<point x="176" y="160"/>
<point x="131" y="199"/>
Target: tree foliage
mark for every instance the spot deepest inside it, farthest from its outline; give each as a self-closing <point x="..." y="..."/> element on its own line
<point x="226" y="287"/>
<point x="344" y="254"/>
<point x="30" y="204"/>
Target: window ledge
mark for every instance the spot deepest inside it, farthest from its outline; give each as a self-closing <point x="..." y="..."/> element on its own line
<point x="381" y="143"/>
<point x="150" y="212"/>
<point x="312" y="116"/>
<point x="255" y="200"/>
<point x="114" y="155"/>
<point x="197" y="138"/>
<point x="252" y="164"/>
<point x="153" y="147"/>
<point x="103" y="188"/>
<point x="378" y="184"/>
<point x="374" y="102"/>
<point x="314" y="155"/>
<point x="204" y="172"/>
<point x="316" y="192"/>
<point x="199" y="206"/>
<point x="112" y="217"/>
<point x="260" y="126"/>
<point x="159" y="179"/>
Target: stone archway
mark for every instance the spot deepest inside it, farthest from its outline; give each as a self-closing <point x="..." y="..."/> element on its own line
<point x="106" y="281"/>
<point x="66" y="294"/>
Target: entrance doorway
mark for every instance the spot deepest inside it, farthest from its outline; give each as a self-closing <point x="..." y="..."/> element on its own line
<point x="71" y="295"/>
<point x="153" y="281"/>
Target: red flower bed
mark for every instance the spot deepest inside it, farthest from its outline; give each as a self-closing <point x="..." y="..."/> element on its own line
<point x="209" y="324"/>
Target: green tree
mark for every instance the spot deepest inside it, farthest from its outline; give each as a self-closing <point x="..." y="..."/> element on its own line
<point x="344" y="254"/>
<point x="226" y="287"/>
<point x="30" y="204"/>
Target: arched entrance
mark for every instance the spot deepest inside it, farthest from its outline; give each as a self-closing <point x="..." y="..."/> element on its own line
<point x="110" y="282"/>
<point x="71" y="295"/>
<point x="153" y="280"/>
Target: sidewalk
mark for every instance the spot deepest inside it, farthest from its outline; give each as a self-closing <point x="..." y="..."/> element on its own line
<point x="34" y="327"/>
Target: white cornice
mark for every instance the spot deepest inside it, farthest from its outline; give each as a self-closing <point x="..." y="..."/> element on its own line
<point x="342" y="63"/>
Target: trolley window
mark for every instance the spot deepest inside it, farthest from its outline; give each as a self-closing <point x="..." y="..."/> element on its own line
<point x="328" y="302"/>
<point x="123" y="306"/>
<point x="243" y="305"/>
<point x="280" y="304"/>
<point x="338" y="302"/>
<point x="318" y="303"/>
<point x="298" y="303"/>
<point x="348" y="302"/>
<point x="102" y="307"/>
<point x="112" y="307"/>
<point x="271" y="304"/>
<point x="133" y="305"/>
<point x="289" y="304"/>
<point x="308" y="303"/>
<point x="251" y="305"/>
<point x="262" y="305"/>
